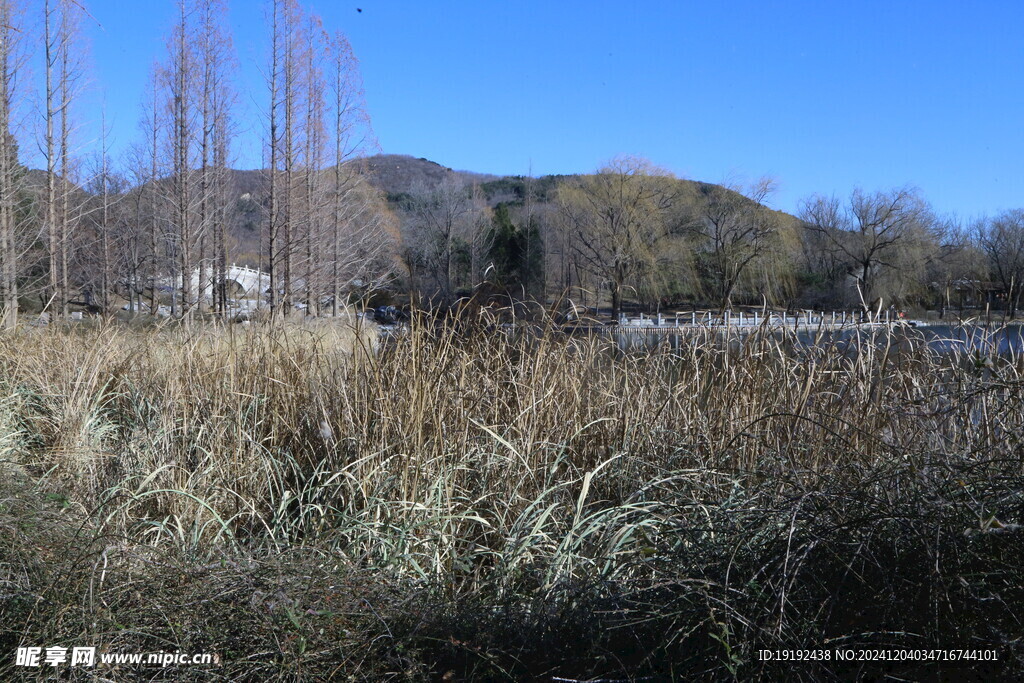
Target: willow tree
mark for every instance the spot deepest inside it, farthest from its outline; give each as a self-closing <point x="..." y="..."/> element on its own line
<point x="735" y="231"/>
<point x="616" y="218"/>
<point x="874" y="235"/>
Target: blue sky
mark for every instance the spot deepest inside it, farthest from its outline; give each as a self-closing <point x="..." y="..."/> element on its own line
<point x="824" y="96"/>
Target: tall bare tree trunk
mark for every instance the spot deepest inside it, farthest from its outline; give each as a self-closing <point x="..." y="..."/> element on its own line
<point x="275" y="200"/>
<point x="336" y="214"/>
<point x="289" y="156"/>
<point x="65" y="162"/>
<point x="285" y="90"/>
<point x="314" y="87"/>
<point x="59" y="41"/>
<point x="108" y="265"/>
<point x="214" y="55"/>
<point x="8" y="180"/>
<point x="220" y="214"/>
<point x="154" y="152"/>
<point x="182" y="72"/>
<point x="51" y="46"/>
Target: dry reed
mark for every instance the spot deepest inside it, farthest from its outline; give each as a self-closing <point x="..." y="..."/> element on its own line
<point x="519" y="504"/>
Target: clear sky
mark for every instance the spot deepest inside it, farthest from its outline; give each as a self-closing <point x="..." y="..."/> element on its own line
<point x="822" y="95"/>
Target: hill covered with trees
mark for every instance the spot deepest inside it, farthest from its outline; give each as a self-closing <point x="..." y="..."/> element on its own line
<point x="628" y="235"/>
<point x="631" y="232"/>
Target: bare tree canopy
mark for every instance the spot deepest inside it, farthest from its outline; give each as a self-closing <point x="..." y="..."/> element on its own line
<point x="870" y="233"/>
<point x="615" y="218"/>
<point x="735" y="229"/>
<point x="1002" y="241"/>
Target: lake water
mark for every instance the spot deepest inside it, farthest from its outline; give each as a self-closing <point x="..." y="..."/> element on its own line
<point x="987" y="339"/>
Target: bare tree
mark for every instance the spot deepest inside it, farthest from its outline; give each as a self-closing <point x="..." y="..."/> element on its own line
<point x="479" y="234"/>
<point x="63" y="73"/>
<point x="1002" y="240"/>
<point x="134" y="240"/>
<point x="616" y="217"/>
<point x="958" y="258"/>
<point x="315" y="201"/>
<point x="869" y="232"/>
<point x="10" y="61"/>
<point x="363" y="235"/>
<point x="735" y="230"/>
<point x="284" y="146"/>
<point x="308" y="236"/>
<point x="442" y="217"/>
<point x="197" y="127"/>
<point x="273" y="217"/>
<point x="179" y="79"/>
<point x="161" y="252"/>
<point x="98" y="266"/>
<point x="215" y="64"/>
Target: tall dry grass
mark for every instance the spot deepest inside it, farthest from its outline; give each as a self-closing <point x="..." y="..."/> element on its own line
<point x="707" y="499"/>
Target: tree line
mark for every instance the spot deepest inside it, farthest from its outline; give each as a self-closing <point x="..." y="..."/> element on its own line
<point x="632" y="233"/>
<point x="161" y="225"/>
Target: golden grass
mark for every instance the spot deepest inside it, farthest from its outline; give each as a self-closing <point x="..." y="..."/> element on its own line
<point x="490" y="461"/>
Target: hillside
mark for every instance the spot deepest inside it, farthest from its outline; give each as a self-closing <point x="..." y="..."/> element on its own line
<point x="397" y="177"/>
<point x="398" y="174"/>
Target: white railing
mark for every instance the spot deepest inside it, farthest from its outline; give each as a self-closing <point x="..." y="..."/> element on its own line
<point x="805" y="319"/>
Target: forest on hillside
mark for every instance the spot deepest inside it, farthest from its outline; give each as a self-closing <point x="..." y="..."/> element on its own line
<point x="332" y="224"/>
<point x="631" y="234"/>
